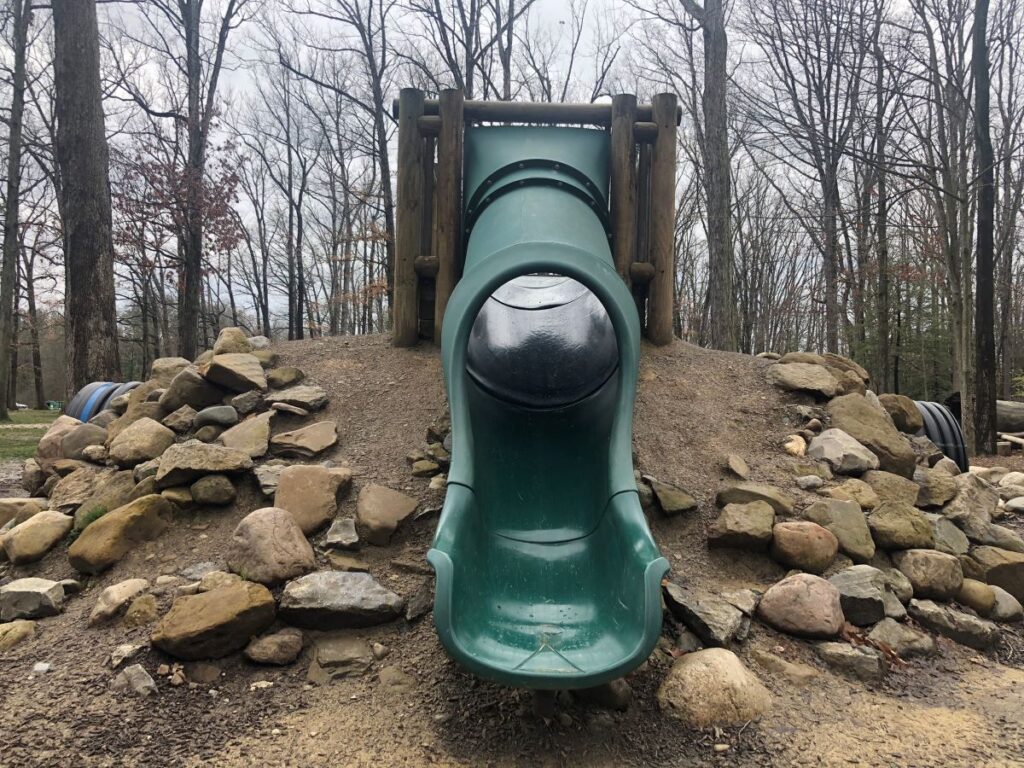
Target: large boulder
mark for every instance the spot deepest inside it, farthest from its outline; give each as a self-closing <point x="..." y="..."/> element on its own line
<point x="306" y="442"/>
<point x="975" y="498"/>
<point x="141" y="441"/>
<point x="75" y="488"/>
<point x="268" y="547"/>
<point x="843" y="453"/>
<point x="956" y="625"/>
<point x="936" y="487"/>
<point x="306" y="396"/>
<point x="948" y="538"/>
<point x="804" y="545"/>
<point x="164" y="369"/>
<point x="890" y="487"/>
<point x="1001" y="568"/>
<point x="379" y="511"/>
<point x="743" y="526"/>
<point x="189" y="388"/>
<point x="861" y="594"/>
<point x="846" y="521"/>
<point x="933" y="574"/>
<point x="30" y="598"/>
<point x="251" y="435"/>
<point x="237" y="371"/>
<point x="112" y="536"/>
<point x="903" y="412"/>
<point x="803" y="605"/>
<point x="214" y="624"/>
<point x="803" y="377"/>
<point x="51" y="443"/>
<point x="311" y="494"/>
<point x="745" y="492"/>
<point x="712" y="688"/>
<point x="81" y="437"/>
<point x="231" y="340"/>
<point x="338" y="600"/>
<point x="871" y="426"/>
<point x="29" y="541"/>
<point x="186" y="462"/>
<point x="900" y="526"/>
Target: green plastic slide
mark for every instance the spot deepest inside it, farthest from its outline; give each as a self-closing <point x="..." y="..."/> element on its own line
<point x="547" y="575"/>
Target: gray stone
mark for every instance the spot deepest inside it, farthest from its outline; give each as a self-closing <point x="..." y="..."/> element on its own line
<point x="714" y="620"/>
<point x="197" y="571"/>
<point x="861" y="589"/>
<point x="959" y="626"/>
<point x="215" y="490"/>
<point x="975" y="497"/>
<point x="933" y="574"/>
<point x="189" y="388"/>
<point x="1007" y="608"/>
<point x="30" y="598"/>
<point x="217" y="416"/>
<point x="904" y="640"/>
<point x="860" y="662"/>
<point x="743" y="526"/>
<point x="339" y="656"/>
<point x="268" y="547"/>
<point x="809" y="482"/>
<point x="744" y="492"/>
<point x="247" y="402"/>
<point x="307" y="396"/>
<point x="259" y="342"/>
<point x="900" y="526"/>
<point x="948" y="538"/>
<point x="278" y="648"/>
<point x="81" y="437"/>
<point x="338" y="600"/>
<point x="898" y="584"/>
<point x="842" y="452"/>
<point x="847" y="523"/>
<point x="671" y="499"/>
<point x="269" y="475"/>
<point x="188" y="461"/>
<point x="140" y="441"/>
<point x="230" y="340"/>
<point x="164" y="369"/>
<point x="894" y="609"/>
<point x="135" y="679"/>
<point x="937" y="487"/>
<point x="342" y="534"/>
<point x="181" y="420"/>
<point x="284" y="377"/>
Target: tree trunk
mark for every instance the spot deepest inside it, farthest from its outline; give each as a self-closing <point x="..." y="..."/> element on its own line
<point x="82" y="156"/>
<point x="33" y="327"/>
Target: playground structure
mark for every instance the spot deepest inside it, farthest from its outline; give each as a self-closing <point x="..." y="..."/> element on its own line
<point x="432" y="222"/>
<point x="537" y="286"/>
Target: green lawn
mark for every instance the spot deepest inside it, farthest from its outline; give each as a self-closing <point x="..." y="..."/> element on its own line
<point x="18" y="438"/>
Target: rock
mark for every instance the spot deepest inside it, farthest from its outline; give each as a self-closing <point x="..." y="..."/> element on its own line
<point x="871" y="426"/>
<point x="846" y="521"/>
<point x="231" y="341"/>
<point x="311" y="494"/>
<point x="890" y="487"/>
<point x="899" y="526"/>
<point x="338" y="600"/>
<point x="714" y="620"/>
<point x="267" y="357"/>
<point x="672" y="499"/>
<point x="187" y="462"/>
<point x="30" y="540"/>
<point x="18" y="510"/>
<point x="15" y="632"/>
<point x="209" y="433"/>
<point x="421" y="603"/>
<point x="743" y="526"/>
<point x="135" y="679"/>
<point x="898" y="584"/>
<point x="50" y="444"/>
<point x="802" y="604"/>
<point x="215" y="490"/>
<point x="217" y="579"/>
<point x="113" y="492"/>
<point x="972" y="568"/>
<point x="860" y="662"/>
<point x="425" y="468"/>
<point x="145" y="469"/>
<point x="861" y="589"/>
<point x="736" y="465"/>
<point x="30" y="598"/>
<point x="114" y="598"/>
<point x="32" y="479"/>
<point x="164" y="369"/>
<point x="259" y="342"/>
<point x="894" y="609"/>
<point x="904" y="413"/>
<point x="809" y="482"/>
<point x="338" y="656"/>
<point x="379" y="512"/>
<point x="803" y="377"/>
<point x="1001" y="568"/>
<point x="977" y="595"/>
<point x="268" y="475"/>
<point x="180" y="496"/>
<point x="1008" y="493"/>
<point x="75" y="488"/>
<point x="956" y="625"/>
<point x="1006" y="608"/>
<point x="804" y="545"/>
<point x="284" y="377"/>
<point x="342" y="534"/>
<point x="799" y="674"/>
<point x="236" y="371"/>
<point x="854" y="490"/>
<point x="947" y="465"/>
<point x="980" y="532"/>
<point x="904" y="640"/>
<point x="306" y="396"/>
<point x="216" y="416"/>
<point x="843" y="453"/>
<point x="712" y="688"/>
<point x="937" y="487"/>
<point x="97" y="454"/>
<point x="305" y="442"/>
<point x="795" y="445"/>
<point x="279" y="648"/>
<point x="340" y="561"/>
<point x="111" y="537"/>
<point x="948" y="538"/>
<point x="141" y="613"/>
<point x="932" y="574"/>
<point x="974" y="498"/>
<point x="189" y="388"/>
<point x="76" y="440"/>
<point x="214" y="624"/>
<point x="247" y="402"/>
<point x="291" y="410"/>
<point x="616" y="695"/>
<point x="268" y="547"/>
<point x="745" y="492"/>
<point x="251" y="435"/>
<point x="141" y="441"/>
<point x="744" y="599"/>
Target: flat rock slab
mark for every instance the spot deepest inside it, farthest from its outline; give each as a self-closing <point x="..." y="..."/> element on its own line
<point x="311" y="493"/>
<point x="672" y="499"/>
<point x="306" y="396"/>
<point x="237" y="371"/>
<point x="714" y="620"/>
<point x="251" y="436"/>
<point x="379" y="512"/>
<point x="956" y="625"/>
<point x="860" y="662"/>
<point x="745" y="492"/>
<point x="905" y="641"/>
<point x="743" y="526"/>
<point x="338" y="600"/>
<point x="184" y="463"/>
<point x="339" y="656"/>
<point x="306" y="442"/>
<point x="30" y="598"/>
<point x="803" y="377"/>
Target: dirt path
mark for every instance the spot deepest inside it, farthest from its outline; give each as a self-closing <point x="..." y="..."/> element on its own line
<point x="694" y="406"/>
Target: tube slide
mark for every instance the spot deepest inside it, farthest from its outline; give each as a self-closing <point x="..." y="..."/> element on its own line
<point x="547" y="574"/>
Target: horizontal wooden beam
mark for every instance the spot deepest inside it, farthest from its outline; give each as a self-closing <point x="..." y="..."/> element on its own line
<point x="644" y="133"/>
<point x="537" y="112"/>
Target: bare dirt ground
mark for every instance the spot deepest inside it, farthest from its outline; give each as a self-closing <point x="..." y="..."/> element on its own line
<point x="694" y="407"/>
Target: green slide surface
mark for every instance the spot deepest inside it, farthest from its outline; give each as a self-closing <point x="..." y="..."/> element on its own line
<point x="547" y="574"/>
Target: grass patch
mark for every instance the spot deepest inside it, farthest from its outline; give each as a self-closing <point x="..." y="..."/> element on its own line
<point x="31" y="416"/>
<point x="18" y="443"/>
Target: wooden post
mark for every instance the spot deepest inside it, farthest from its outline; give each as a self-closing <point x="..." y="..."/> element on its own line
<point x="643" y="232"/>
<point x="623" y="183"/>
<point x="425" y="254"/>
<point x="448" y="202"/>
<point x="663" y="213"/>
<point x="404" y="312"/>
